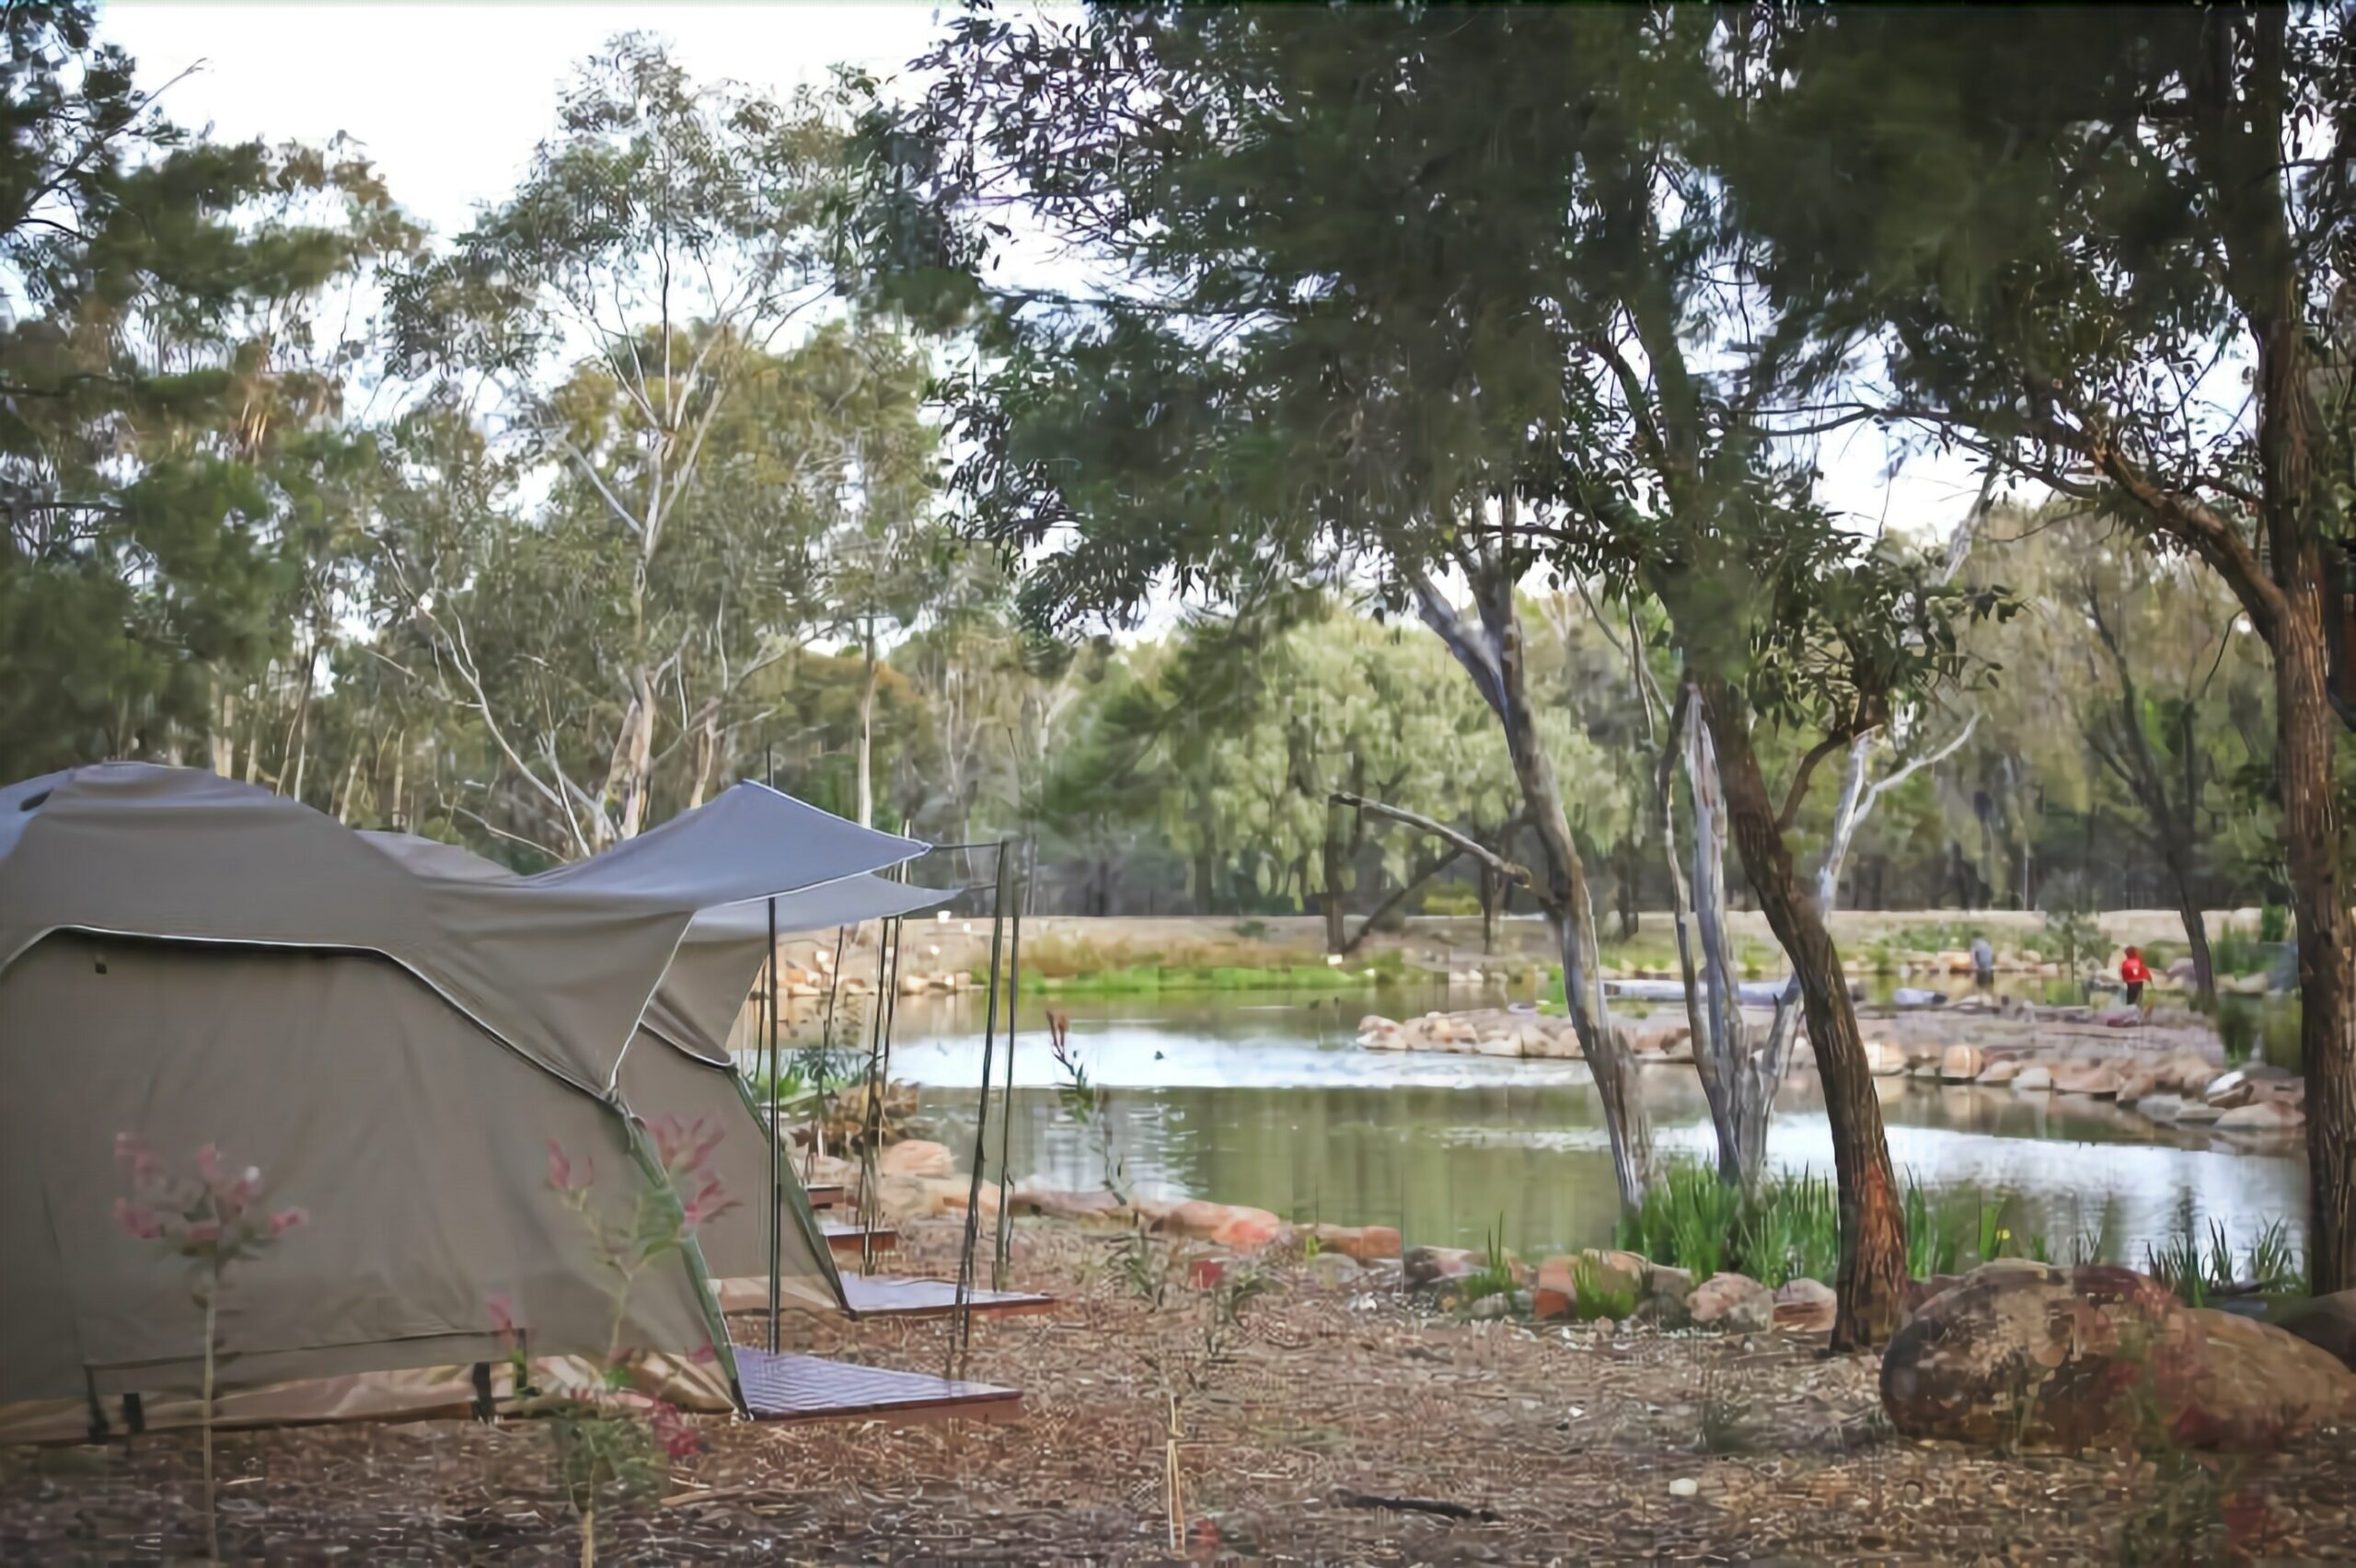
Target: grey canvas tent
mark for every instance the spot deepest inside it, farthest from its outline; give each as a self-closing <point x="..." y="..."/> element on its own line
<point x="393" y="1042"/>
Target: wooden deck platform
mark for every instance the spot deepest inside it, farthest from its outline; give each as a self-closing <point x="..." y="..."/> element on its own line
<point x="828" y="1194"/>
<point x="848" y="1241"/>
<point x="889" y="1296"/>
<point x="807" y="1387"/>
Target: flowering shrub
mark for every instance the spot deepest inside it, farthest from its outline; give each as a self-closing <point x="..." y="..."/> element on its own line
<point x="213" y="1218"/>
<point x="613" y="1438"/>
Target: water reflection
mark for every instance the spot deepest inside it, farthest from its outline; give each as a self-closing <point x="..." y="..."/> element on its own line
<point x="1273" y="1104"/>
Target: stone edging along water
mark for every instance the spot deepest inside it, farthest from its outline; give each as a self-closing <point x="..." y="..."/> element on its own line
<point x="2161" y="1074"/>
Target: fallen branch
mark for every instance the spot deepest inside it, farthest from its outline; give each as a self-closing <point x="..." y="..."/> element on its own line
<point x="1415" y="1506"/>
<point x="1516" y="874"/>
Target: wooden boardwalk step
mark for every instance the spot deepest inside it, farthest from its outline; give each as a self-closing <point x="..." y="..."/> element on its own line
<point x="828" y="1194"/>
<point x="808" y="1387"/>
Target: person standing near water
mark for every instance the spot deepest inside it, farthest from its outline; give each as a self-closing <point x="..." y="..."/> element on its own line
<point x="1983" y="964"/>
<point x="2134" y="976"/>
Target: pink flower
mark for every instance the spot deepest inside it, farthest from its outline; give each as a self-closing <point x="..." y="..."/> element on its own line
<point x="707" y="1205"/>
<point x="138" y="1221"/>
<point x="672" y="1429"/>
<point x="561" y="1170"/>
<point x="204" y="1233"/>
<point x="683" y="1146"/>
<point x="233" y="1197"/>
<point x="288" y="1219"/>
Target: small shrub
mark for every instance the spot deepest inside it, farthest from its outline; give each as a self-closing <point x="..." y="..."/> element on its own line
<point x="1931" y="1242"/>
<point x="1494" y="1277"/>
<point x="2273" y="923"/>
<point x="1594" y="1297"/>
<point x="2236" y="952"/>
<point x="2278" y="1032"/>
<point x="1252" y="930"/>
<point x="2237" y="1028"/>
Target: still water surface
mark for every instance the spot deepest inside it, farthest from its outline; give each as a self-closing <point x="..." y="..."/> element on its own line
<point x="1270" y="1102"/>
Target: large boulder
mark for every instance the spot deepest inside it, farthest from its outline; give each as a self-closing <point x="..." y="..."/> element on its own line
<point x="2326" y="1321"/>
<point x="2029" y="1355"/>
<point x="2135" y="1082"/>
<point x="1617" y="1278"/>
<point x="1962" y="1063"/>
<point x="1236" y="1227"/>
<point x="1998" y="1073"/>
<point x="2035" y="1079"/>
<point x="1736" y="1303"/>
<point x="1099" y="1205"/>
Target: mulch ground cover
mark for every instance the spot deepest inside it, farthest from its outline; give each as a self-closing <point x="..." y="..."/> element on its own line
<point x="1511" y="1443"/>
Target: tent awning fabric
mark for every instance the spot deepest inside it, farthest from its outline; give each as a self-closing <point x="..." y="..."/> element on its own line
<point x="393" y="1038"/>
<point x="559" y="966"/>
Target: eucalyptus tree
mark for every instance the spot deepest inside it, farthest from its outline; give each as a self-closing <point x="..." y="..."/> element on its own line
<point x="662" y="255"/>
<point x="170" y="450"/>
<point x="1439" y="300"/>
<point x="1291" y="373"/>
<point x="2109" y="252"/>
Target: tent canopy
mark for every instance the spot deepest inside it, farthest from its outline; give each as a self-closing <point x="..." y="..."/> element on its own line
<point x="559" y="966"/>
<point x="393" y="1038"/>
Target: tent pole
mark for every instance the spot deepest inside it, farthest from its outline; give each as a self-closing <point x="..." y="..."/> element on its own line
<point x="962" y="1336"/>
<point x="879" y="1055"/>
<point x="1002" y="1253"/>
<point x="776" y="1149"/>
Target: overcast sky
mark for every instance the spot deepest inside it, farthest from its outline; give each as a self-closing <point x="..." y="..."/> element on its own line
<point x="449" y="100"/>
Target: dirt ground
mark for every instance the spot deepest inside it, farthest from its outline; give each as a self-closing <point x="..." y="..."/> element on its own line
<point x="1560" y="1445"/>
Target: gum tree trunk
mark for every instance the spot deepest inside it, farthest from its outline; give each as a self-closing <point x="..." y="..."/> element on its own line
<point x="1873" y="1231"/>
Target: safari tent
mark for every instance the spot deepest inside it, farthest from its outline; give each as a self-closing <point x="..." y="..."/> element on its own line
<point x="394" y="1038"/>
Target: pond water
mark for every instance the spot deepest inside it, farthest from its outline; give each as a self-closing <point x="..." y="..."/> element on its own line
<point x="1269" y="1102"/>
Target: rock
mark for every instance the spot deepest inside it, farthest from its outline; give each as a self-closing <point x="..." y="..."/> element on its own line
<point x="1961" y="1063"/>
<point x="2135" y="1082"/>
<point x="2326" y="1321"/>
<point x="914" y="1157"/>
<point x="1096" y="1205"/>
<point x="2183" y="969"/>
<point x="1617" y="1278"/>
<point x="1423" y="1267"/>
<point x="2266" y="1116"/>
<point x="1667" y="1290"/>
<point x="1999" y="1073"/>
<point x="1500" y="1304"/>
<point x="1913" y="1293"/>
<point x="1805" y="1306"/>
<point x="2030" y="1355"/>
<point x="1233" y="1225"/>
<point x="1883" y="1058"/>
<point x="1556" y="1293"/>
<point x="2187" y="1072"/>
<point x="2196" y="1113"/>
<point x="2160" y="1107"/>
<point x="1684" y="1486"/>
<point x="2035" y="1079"/>
<point x="2230" y="1091"/>
<point x="2100" y="1079"/>
<point x="1732" y="1302"/>
<point x="1379" y="1033"/>
<point x="1333" y="1270"/>
<point x="1360" y="1243"/>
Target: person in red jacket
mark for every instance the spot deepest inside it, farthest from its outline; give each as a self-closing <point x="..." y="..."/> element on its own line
<point x="2134" y="976"/>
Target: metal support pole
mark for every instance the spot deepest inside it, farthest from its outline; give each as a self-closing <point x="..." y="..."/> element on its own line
<point x="1002" y="1252"/>
<point x="777" y="1147"/>
<point x="964" y="1331"/>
